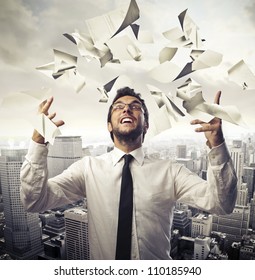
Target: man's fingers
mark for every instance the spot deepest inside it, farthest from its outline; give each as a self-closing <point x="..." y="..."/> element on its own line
<point x="205" y="127"/>
<point x="197" y="121"/>
<point x="57" y="123"/>
<point x="51" y="116"/>
<point x="217" y="98"/>
<point x="45" y="105"/>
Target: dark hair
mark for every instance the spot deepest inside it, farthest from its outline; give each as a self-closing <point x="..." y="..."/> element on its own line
<point x="127" y="91"/>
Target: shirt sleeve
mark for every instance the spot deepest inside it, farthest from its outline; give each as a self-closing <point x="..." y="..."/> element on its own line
<point x="38" y="193"/>
<point x="215" y="195"/>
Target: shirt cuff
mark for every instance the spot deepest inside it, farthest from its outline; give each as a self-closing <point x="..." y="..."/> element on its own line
<point x="219" y="155"/>
<point x="37" y="152"/>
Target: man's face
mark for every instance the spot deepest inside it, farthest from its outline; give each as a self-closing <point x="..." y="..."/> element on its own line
<point x="127" y="119"/>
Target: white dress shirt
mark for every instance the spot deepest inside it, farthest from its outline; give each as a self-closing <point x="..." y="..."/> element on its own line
<point x="157" y="184"/>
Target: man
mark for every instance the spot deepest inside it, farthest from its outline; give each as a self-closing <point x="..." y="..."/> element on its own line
<point x="157" y="184"/>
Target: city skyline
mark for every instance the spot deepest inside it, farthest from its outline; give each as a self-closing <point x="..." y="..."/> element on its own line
<point x="196" y="234"/>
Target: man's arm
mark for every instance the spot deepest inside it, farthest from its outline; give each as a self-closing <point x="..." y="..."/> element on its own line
<point x="37" y="192"/>
<point x="221" y="172"/>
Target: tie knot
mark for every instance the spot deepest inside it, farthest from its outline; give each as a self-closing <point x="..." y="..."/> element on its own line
<point x="128" y="158"/>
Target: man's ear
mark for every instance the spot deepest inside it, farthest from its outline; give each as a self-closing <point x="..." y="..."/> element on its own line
<point x="109" y="126"/>
<point x="146" y="126"/>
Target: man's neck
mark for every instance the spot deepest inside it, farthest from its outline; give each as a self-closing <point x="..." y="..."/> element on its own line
<point x="127" y="147"/>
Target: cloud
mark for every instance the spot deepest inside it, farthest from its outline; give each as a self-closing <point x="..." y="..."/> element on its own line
<point x="17" y="28"/>
<point x="250" y="11"/>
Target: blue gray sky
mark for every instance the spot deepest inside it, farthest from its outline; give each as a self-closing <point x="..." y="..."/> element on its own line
<point x="31" y="29"/>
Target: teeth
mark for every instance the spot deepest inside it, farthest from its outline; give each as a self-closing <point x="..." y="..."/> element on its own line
<point x="126" y="120"/>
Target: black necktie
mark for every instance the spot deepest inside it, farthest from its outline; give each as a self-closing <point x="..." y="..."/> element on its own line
<point x="123" y="247"/>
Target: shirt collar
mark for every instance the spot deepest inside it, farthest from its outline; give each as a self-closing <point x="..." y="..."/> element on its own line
<point x="138" y="155"/>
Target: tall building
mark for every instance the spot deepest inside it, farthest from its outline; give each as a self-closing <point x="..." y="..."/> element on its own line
<point x="201" y="225"/>
<point x="242" y="195"/>
<point x="247" y="249"/>
<point x="181" y="222"/>
<point x="238" y="161"/>
<point x="235" y="225"/>
<point x="65" y="151"/>
<point x="252" y="212"/>
<point x="249" y="179"/>
<point x="250" y="152"/>
<point x="181" y="151"/>
<point x="77" y="241"/>
<point x="201" y="247"/>
<point x="22" y="232"/>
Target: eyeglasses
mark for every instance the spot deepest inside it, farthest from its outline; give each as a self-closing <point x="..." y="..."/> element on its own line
<point x="134" y="106"/>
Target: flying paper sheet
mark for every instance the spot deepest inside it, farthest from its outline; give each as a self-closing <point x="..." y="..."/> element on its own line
<point x="163" y="114"/>
<point x="64" y="66"/>
<point x="105" y="90"/>
<point x="104" y="27"/>
<point x="242" y="75"/>
<point x="87" y="49"/>
<point x="165" y="72"/>
<point x="62" y="62"/>
<point x="177" y="38"/>
<point x="163" y="100"/>
<point x="188" y="89"/>
<point x="46" y="128"/>
<point x="187" y="37"/>
<point x="24" y="101"/>
<point x="194" y="104"/>
<point x="190" y="30"/>
<point x="205" y="59"/>
<point x="166" y="54"/>
<point x="123" y="48"/>
<point x="159" y="122"/>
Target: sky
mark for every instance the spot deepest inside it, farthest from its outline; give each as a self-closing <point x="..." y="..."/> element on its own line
<point x="31" y="29"/>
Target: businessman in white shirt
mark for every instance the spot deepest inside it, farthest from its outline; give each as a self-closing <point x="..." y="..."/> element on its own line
<point x="157" y="183"/>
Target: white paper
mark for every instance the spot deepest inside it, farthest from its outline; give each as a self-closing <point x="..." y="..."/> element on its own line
<point x="102" y="28"/>
<point x="104" y="90"/>
<point x="123" y="48"/>
<point x="205" y="59"/>
<point x="166" y="54"/>
<point x="194" y="104"/>
<point x="46" y="128"/>
<point x="87" y="49"/>
<point x="64" y="66"/>
<point x="241" y="74"/>
<point x="165" y="72"/>
<point x="190" y="30"/>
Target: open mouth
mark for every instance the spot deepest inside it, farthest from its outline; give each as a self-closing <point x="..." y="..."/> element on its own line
<point x="126" y="120"/>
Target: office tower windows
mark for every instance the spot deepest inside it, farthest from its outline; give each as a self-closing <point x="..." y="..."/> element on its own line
<point x="77" y="242"/>
<point x="65" y="151"/>
<point x="22" y="232"/>
<point x="201" y="225"/>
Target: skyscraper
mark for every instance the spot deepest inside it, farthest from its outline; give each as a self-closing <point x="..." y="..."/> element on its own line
<point x="249" y="179"/>
<point x="201" y="225"/>
<point x="22" y="232"/>
<point x="238" y="161"/>
<point x="201" y="247"/>
<point x="242" y="195"/>
<point x="77" y="242"/>
<point x="181" y="222"/>
<point x="65" y="151"/>
<point x="235" y="225"/>
<point x="181" y="151"/>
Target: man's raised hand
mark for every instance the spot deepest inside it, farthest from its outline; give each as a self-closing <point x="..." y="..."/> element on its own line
<point x="44" y="109"/>
<point x="213" y="128"/>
